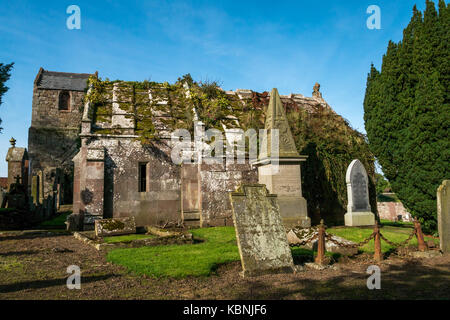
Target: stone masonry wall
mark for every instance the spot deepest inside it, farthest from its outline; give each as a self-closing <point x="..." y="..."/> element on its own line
<point x="216" y="183"/>
<point x="53" y="138"/>
<point x="392" y="211"/>
<point x="160" y="203"/>
<point x="45" y="109"/>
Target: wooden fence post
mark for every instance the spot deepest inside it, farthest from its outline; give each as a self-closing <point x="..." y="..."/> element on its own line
<point x="378" y="255"/>
<point x="320" y="259"/>
<point x="419" y="236"/>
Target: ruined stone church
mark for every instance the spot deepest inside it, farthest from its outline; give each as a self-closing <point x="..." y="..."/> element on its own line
<point x="77" y="156"/>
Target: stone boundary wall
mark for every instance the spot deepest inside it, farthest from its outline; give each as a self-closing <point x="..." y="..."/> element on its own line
<point x="392" y="211"/>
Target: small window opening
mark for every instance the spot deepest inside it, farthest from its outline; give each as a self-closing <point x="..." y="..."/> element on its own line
<point x="142" y="177"/>
<point x="64" y="101"/>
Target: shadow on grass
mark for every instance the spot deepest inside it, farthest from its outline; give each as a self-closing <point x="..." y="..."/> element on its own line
<point x="33" y="235"/>
<point x="40" y="284"/>
<point x="303" y="255"/>
<point x="412" y="280"/>
<point x="396" y="224"/>
<point x="18" y="253"/>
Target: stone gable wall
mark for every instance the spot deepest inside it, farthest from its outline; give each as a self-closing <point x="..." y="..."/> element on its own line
<point x="45" y="109"/>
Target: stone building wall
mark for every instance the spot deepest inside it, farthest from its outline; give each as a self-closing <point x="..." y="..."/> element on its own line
<point x="393" y="211"/>
<point x="158" y="205"/>
<point x="46" y="113"/>
<point x="105" y="166"/>
<point x="216" y="182"/>
<point x="53" y="137"/>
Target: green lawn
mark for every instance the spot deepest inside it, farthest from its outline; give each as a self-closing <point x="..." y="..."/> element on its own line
<point x="127" y="238"/>
<point x="405" y="224"/>
<point x="219" y="247"/>
<point x="57" y="221"/>
<point x="201" y="259"/>
<point x="179" y="261"/>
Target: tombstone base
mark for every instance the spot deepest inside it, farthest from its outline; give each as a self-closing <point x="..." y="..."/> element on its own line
<point x="355" y="219"/>
<point x="255" y="273"/>
<point x="293" y="212"/>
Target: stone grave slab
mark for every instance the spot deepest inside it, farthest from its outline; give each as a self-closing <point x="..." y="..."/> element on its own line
<point x="260" y="233"/>
<point x="115" y="226"/>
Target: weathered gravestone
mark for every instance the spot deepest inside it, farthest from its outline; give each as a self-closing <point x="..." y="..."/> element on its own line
<point x="358" y="208"/>
<point x="115" y="226"/>
<point x="260" y="233"/>
<point x="443" y="215"/>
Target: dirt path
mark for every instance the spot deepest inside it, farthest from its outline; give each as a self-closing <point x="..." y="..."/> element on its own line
<point x="33" y="266"/>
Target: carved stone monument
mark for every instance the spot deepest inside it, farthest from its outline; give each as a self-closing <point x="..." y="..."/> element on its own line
<point x="260" y="234"/>
<point x="443" y="215"/>
<point x="359" y="212"/>
<point x="316" y="91"/>
<point x="279" y="165"/>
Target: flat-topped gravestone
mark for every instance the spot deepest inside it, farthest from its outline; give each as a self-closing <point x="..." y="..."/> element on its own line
<point x="359" y="212"/>
<point x="443" y="215"/>
<point x="260" y="233"/>
<point x="115" y="226"/>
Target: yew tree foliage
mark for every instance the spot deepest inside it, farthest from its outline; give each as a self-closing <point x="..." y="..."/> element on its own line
<point x="5" y="74"/>
<point x="330" y="144"/>
<point x="407" y="111"/>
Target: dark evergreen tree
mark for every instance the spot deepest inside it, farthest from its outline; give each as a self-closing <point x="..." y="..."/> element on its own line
<point x="407" y="111"/>
<point x="5" y="74"/>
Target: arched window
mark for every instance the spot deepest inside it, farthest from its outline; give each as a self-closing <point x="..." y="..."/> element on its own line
<point x="64" y="101"/>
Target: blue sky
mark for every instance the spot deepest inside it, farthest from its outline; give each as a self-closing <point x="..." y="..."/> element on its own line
<point x="254" y="45"/>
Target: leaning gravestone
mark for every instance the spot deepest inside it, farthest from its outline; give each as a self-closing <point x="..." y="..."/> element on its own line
<point x="358" y="208"/>
<point x="115" y="226"/>
<point x="260" y="233"/>
<point x="443" y="215"/>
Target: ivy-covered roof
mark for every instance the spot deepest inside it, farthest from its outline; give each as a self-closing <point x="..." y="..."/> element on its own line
<point x="162" y="106"/>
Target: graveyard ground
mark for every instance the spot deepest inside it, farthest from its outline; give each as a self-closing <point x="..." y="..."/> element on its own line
<point x="33" y="266"/>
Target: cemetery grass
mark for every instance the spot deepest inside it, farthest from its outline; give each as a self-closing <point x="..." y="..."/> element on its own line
<point x="59" y="220"/>
<point x="56" y="221"/>
<point x="218" y="246"/>
<point x="127" y="238"/>
<point x="33" y="266"/>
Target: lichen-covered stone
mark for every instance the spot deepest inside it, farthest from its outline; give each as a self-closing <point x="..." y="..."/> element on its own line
<point x="260" y="234"/>
<point x="115" y="226"/>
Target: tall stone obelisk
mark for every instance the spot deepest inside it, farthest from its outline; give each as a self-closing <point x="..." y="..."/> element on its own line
<point x="279" y="165"/>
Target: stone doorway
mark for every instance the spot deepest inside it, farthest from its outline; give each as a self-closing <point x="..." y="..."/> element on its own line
<point x="190" y="195"/>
